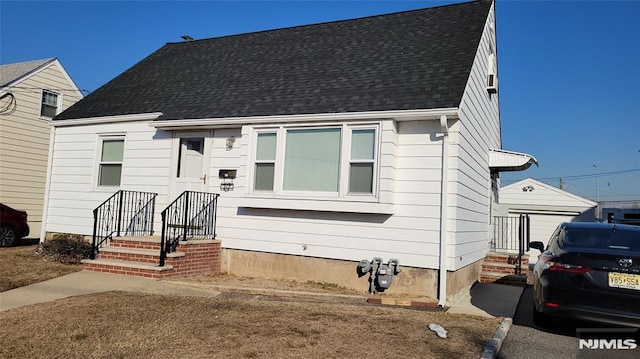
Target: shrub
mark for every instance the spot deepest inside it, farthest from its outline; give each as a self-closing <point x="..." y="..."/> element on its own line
<point x="65" y="248"/>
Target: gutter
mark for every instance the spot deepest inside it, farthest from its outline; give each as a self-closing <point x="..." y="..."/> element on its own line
<point x="444" y="191"/>
<point x="398" y="115"/>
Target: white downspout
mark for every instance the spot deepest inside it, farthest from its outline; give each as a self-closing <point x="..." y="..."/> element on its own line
<point x="47" y="184"/>
<point x="444" y="190"/>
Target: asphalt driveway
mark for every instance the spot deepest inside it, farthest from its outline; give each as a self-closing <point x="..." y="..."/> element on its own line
<point x="526" y="340"/>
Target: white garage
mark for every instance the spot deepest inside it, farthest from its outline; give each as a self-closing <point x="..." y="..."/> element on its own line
<point x="547" y="206"/>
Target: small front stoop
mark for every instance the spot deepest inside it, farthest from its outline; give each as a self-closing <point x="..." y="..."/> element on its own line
<point x="504" y="268"/>
<point x="140" y="257"/>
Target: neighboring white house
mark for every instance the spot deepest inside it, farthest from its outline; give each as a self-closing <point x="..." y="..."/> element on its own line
<point x="31" y="93"/>
<point x="547" y="206"/>
<point x="350" y="140"/>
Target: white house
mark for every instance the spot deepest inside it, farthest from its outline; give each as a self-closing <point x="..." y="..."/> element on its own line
<point x="547" y="206"/>
<point x="31" y="93"/>
<point x="329" y="143"/>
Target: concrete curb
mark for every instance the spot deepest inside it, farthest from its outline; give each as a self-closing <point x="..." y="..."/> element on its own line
<point x="491" y="350"/>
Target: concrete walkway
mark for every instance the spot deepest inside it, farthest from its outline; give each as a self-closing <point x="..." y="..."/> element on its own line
<point x="483" y="299"/>
<point x="488" y="300"/>
<point x="86" y="282"/>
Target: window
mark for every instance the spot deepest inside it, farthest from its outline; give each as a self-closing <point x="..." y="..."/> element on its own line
<point x="333" y="160"/>
<point x="265" y="161"/>
<point x="111" y="155"/>
<point x="49" y="106"/>
<point x="312" y="160"/>
<point x="362" y="161"/>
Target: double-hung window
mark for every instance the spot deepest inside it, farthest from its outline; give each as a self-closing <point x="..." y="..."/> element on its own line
<point x="50" y="104"/>
<point x="265" y="161"/>
<point x="111" y="157"/>
<point x="335" y="160"/>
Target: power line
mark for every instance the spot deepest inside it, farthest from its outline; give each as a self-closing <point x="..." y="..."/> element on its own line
<point x="31" y="89"/>
<point x="585" y="176"/>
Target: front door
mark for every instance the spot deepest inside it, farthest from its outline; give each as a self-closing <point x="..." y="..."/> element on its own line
<point x="192" y="164"/>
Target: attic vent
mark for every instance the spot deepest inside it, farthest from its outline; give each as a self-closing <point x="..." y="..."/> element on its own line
<point x="492" y="77"/>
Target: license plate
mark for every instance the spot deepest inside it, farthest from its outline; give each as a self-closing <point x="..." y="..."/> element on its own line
<point x="624" y="280"/>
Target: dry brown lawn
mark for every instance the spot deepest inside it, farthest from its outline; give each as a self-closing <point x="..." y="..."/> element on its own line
<point x="132" y="325"/>
<point x="20" y="266"/>
<point x="232" y="325"/>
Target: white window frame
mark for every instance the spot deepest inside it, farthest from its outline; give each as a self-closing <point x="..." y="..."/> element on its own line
<point x="98" y="159"/>
<point x="343" y="172"/>
<point x="58" y="102"/>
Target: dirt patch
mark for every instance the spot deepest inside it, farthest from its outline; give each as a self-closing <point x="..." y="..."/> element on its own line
<point x="128" y="325"/>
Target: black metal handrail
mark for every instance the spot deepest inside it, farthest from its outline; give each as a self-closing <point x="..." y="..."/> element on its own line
<point x="511" y="233"/>
<point x="128" y="213"/>
<point x="190" y="216"/>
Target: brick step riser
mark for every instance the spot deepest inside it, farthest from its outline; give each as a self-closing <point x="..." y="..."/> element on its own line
<point x="489" y="267"/>
<point x="133" y="272"/>
<point x="198" y="259"/>
<point x="154" y="246"/>
<point x="142" y="258"/>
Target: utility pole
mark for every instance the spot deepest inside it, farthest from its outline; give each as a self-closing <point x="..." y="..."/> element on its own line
<point x="561" y="184"/>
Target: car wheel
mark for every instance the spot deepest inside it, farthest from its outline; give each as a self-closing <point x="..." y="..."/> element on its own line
<point x="7" y="236"/>
<point x="541" y="319"/>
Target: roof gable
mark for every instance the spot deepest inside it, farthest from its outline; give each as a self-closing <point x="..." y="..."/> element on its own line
<point x="403" y="61"/>
<point x="11" y="73"/>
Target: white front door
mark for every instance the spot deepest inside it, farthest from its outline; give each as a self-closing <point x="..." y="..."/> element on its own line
<point x="193" y="162"/>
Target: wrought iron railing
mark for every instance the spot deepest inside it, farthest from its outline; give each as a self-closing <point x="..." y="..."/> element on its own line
<point x="511" y="234"/>
<point x="126" y="213"/>
<point x="190" y="216"/>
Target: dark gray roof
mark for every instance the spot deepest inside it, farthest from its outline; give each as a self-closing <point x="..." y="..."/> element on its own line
<point x="417" y="59"/>
<point x="9" y="73"/>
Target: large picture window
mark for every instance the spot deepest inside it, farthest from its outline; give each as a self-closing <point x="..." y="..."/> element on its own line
<point x="335" y="160"/>
<point x="111" y="156"/>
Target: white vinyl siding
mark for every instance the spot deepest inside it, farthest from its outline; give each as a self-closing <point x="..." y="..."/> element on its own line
<point x="24" y="143"/>
<point x="472" y="136"/>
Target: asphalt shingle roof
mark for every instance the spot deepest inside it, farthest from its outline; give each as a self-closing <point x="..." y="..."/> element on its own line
<point x="11" y="72"/>
<point x="417" y="59"/>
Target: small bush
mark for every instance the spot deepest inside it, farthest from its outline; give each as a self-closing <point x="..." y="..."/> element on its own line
<point x="65" y="248"/>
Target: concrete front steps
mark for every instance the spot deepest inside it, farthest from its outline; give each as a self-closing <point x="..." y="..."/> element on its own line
<point x="140" y="257"/>
<point x="502" y="268"/>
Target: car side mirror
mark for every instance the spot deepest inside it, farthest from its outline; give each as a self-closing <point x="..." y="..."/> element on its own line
<point x="537" y="245"/>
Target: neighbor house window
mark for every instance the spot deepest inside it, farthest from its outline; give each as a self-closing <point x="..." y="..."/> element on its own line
<point x="328" y="160"/>
<point x="110" y="167"/>
<point x="50" y="103"/>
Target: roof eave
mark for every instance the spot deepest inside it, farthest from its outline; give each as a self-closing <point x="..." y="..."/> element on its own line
<point x="398" y="115"/>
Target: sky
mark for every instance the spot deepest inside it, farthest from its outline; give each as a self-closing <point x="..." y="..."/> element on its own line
<point x="568" y="71"/>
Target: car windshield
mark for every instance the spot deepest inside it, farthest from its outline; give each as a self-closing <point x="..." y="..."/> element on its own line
<point x="603" y="238"/>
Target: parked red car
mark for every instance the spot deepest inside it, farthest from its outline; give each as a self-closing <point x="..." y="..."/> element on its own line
<point x="13" y="225"/>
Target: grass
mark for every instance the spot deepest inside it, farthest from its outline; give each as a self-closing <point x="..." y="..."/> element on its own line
<point x="235" y="325"/>
<point x="132" y="325"/>
<point x="21" y="266"/>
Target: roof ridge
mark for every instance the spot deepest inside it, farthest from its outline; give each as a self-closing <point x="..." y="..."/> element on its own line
<point x="327" y="22"/>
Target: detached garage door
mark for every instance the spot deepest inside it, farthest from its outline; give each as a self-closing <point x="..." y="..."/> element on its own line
<point x="543" y="224"/>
